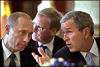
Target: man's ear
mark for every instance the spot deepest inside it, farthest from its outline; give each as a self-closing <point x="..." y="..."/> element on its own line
<point x="7" y="29"/>
<point x="86" y="32"/>
<point x="54" y="30"/>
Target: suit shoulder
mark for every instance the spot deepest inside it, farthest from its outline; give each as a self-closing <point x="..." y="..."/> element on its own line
<point x="97" y="39"/>
<point x="31" y="46"/>
<point x="98" y="42"/>
<point x="0" y="41"/>
<point x="58" y="39"/>
<point x="64" y="50"/>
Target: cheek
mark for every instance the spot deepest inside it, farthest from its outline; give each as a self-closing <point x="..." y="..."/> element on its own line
<point x="13" y="40"/>
<point x="46" y="35"/>
<point x="76" y="36"/>
<point x="73" y="37"/>
<point x="17" y="40"/>
<point x="77" y="41"/>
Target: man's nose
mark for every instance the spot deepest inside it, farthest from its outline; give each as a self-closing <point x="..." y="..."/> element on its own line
<point x="26" y="38"/>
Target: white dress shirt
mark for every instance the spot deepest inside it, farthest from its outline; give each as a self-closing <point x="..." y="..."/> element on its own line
<point x="49" y="49"/>
<point x="7" y="53"/>
<point x="95" y="51"/>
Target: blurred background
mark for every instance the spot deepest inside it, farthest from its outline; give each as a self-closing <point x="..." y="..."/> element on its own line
<point x="31" y="7"/>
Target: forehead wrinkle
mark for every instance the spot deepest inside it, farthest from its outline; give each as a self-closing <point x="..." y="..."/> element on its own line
<point x="67" y="28"/>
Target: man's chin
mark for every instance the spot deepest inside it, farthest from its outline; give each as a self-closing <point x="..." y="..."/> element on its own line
<point x="72" y="50"/>
<point x="21" y="50"/>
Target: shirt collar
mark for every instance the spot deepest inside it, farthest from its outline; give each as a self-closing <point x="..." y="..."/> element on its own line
<point x="93" y="50"/>
<point x="49" y="45"/>
<point x="7" y="53"/>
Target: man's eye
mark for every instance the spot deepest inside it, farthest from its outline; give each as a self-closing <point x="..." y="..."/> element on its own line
<point x="40" y="28"/>
<point x="63" y="32"/>
<point x="67" y="32"/>
<point x="22" y="32"/>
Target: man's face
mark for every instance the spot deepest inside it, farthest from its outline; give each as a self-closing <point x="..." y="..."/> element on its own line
<point x="73" y="37"/>
<point x="20" y="34"/>
<point x="42" y="33"/>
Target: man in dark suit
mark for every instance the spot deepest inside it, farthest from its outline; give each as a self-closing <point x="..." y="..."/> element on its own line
<point x="78" y="29"/>
<point x="46" y="25"/>
<point x="18" y="31"/>
<point x="75" y="57"/>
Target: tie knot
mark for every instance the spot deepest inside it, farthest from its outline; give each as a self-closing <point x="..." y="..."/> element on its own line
<point x="89" y="54"/>
<point x="43" y="47"/>
<point x="90" y="59"/>
<point x="12" y="62"/>
<point x="12" y="56"/>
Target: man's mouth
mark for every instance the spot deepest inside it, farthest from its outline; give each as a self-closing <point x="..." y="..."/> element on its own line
<point x="69" y="45"/>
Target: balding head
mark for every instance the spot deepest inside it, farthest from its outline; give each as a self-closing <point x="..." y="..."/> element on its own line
<point x="12" y="19"/>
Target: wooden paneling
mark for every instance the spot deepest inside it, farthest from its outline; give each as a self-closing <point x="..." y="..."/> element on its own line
<point x="30" y="7"/>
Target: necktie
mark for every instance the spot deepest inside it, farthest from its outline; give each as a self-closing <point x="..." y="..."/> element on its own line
<point x="43" y="47"/>
<point x="12" y="62"/>
<point x="90" y="60"/>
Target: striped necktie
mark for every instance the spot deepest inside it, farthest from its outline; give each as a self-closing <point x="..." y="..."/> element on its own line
<point x="90" y="59"/>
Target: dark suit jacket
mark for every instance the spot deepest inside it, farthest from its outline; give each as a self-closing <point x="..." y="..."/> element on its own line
<point x="75" y="57"/>
<point x="26" y="58"/>
<point x="58" y="43"/>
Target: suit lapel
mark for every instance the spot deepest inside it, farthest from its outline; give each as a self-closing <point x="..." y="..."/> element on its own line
<point x="27" y="60"/>
<point x="78" y="57"/>
<point x="55" y="43"/>
<point x="58" y="44"/>
<point x="54" y="47"/>
<point x="98" y="42"/>
<point x="23" y="59"/>
<point x="1" y="54"/>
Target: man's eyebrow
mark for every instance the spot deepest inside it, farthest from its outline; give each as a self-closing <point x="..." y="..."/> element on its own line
<point x="68" y="28"/>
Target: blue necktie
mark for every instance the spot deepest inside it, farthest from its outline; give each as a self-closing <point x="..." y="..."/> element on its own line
<point x="90" y="59"/>
<point x="43" y="47"/>
<point x="12" y="62"/>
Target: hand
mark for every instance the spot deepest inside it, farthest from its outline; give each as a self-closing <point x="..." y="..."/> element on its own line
<point x="41" y="60"/>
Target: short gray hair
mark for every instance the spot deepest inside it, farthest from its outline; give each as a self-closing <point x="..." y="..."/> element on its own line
<point x="81" y="20"/>
<point x="12" y="19"/>
<point x="53" y="15"/>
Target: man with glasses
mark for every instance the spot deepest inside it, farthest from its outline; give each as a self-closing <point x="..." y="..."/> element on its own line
<point x="78" y="29"/>
<point x="45" y="26"/>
